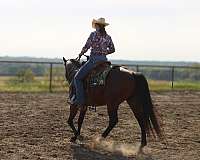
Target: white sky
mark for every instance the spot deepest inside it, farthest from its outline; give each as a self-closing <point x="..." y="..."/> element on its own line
<point x="140" y="29"/>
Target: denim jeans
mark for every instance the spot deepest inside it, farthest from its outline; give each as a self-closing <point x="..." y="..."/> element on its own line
<point x="81" y="74"/>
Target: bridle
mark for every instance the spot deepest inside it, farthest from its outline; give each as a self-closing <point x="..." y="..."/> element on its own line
<point x="69" y="72"/>
<point x="75" y="65"/>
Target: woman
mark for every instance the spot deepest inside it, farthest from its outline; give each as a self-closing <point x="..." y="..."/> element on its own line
<point x="101" y="45"/>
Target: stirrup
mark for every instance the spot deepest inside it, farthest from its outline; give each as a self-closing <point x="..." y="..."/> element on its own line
<point x="71" y="102"/>
<point x="74" y="103"/>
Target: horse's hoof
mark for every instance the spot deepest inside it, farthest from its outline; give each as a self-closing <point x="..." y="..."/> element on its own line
<point x="103" y="136"/>
<point x="140" y="150"/>
<point x="80" y="137"/>
<point x="99" y="139"/>
<point x="73" y="139"/>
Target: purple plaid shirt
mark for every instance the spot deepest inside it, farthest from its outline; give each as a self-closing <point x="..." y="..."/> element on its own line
<point x="100" y="45"/>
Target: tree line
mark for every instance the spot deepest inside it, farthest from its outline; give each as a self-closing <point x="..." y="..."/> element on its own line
<point x="154" y="73"/>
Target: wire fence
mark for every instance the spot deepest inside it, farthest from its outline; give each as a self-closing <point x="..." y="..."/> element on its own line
<point x="49" y="76"/>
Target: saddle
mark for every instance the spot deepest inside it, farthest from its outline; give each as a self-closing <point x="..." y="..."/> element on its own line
<point x="97" y="76"/>
<point x="95" y="79"/>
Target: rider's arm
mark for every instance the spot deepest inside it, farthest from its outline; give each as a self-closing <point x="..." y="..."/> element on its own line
<point x="87" y="44"/>
<point x="111" y="47"/>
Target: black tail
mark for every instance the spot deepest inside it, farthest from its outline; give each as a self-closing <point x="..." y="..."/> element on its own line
<point x="143" y="95"/>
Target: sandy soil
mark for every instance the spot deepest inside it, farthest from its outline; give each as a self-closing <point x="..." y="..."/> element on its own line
<point x="33" y="126"/>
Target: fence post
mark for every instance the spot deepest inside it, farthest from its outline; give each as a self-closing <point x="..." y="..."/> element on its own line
<point x="172" y="77"/>
<point x="137" y="68"/>
<point x="50" y="78"/>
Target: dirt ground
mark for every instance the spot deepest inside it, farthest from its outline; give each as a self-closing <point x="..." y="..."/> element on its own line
<point x="33" y="126"/>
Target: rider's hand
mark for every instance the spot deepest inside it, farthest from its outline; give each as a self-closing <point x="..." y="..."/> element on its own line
<point x="79" y="56"/>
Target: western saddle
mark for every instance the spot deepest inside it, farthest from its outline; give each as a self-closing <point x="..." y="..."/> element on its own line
<point x="96" y="78"/>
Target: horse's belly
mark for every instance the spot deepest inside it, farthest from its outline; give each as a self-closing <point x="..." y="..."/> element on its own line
<point x="95" y="95"/>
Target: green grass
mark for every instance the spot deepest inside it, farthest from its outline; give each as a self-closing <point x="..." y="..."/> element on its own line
<point x="187" y="85"/>
<point x="41" y="84"/>
<point x="159" y="85"/>
<point x="178" y="85"/>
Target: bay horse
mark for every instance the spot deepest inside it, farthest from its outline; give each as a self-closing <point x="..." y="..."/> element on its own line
<point x="121" y="85"/>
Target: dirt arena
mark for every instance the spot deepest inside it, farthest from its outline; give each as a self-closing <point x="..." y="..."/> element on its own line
<point x="33" y="126"/>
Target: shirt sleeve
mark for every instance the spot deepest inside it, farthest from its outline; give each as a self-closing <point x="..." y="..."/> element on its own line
<point x="111" y="47"/>
<point x="87" y="44"/>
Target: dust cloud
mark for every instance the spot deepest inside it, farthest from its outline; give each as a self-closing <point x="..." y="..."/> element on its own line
<point x="119" y="148"/>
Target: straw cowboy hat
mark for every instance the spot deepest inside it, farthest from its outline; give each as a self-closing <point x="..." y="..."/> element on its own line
<point x="99" y="21"/>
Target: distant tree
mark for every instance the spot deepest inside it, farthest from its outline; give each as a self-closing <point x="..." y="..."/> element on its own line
<point x="25" y="76"/>
<point x="196" y="65"/>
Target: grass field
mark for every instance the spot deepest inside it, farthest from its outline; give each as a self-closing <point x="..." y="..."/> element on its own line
<point x="178" y="85"/>
<point x="41" y="84"/>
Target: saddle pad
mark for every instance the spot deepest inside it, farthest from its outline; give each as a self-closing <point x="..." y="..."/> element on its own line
<point x="99" y="79"/>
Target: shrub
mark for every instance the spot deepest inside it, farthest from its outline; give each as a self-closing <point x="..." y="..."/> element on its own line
<point x="23" y="76"/>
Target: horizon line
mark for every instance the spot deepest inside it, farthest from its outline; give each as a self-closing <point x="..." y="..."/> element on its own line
<point x="110" y="59"/>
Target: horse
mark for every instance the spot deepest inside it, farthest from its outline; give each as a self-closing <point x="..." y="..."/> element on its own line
<point x="121" y="85"/>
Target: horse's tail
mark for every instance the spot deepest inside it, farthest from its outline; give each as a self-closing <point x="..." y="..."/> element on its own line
<point x="150" y="116"/>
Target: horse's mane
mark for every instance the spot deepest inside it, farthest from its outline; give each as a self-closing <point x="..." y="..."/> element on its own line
<point x="76" y="62"/>
<point x="71" y="71"/>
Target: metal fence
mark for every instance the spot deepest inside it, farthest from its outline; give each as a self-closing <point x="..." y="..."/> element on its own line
<point x="46" y="76"/>
<point x="52" y="75"/>
<point x="170" y="73"/>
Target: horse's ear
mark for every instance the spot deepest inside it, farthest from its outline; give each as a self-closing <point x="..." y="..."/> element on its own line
<point x="64" y="59"/>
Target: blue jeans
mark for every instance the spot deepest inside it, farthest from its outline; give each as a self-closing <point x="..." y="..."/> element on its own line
<point x="81" y="74"/>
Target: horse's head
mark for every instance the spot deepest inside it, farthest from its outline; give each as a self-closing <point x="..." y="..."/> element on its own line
<point x="71" y="67"/>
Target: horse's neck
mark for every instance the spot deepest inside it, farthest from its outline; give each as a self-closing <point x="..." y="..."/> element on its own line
<point x="72" y="74"/>
<point x="71" y="77"/>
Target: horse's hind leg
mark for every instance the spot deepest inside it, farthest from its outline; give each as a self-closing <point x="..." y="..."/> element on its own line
<point x="113" y="119"/>
<point x="138" y="112"/>
<point x="73" y="112"/>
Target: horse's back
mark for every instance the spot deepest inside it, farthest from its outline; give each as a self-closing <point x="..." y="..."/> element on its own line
<point x="120" y="84"/>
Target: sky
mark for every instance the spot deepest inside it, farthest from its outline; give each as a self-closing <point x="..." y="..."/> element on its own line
<point x="163" y="30"/>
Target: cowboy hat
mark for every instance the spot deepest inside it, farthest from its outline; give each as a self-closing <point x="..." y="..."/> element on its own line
<point x="99" y="21"/>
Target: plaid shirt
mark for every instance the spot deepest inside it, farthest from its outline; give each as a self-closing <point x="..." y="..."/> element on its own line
<point x="100" y="45"/>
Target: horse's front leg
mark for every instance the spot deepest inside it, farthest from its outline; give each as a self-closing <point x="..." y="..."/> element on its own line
<point x="81" y="118"/>
<point x="73" y="112"/>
